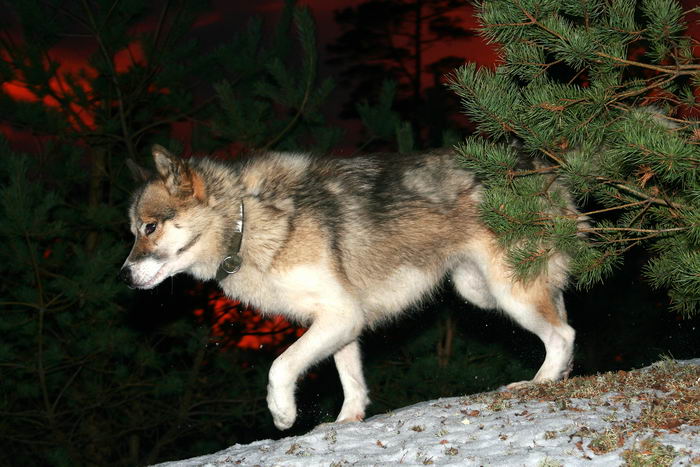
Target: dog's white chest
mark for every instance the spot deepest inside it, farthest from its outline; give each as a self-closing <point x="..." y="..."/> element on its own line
<point x="299" y="293"/>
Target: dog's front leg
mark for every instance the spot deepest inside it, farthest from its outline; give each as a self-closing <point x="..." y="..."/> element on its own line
<point x="329" y="333"/>
<point x="348" y="361"/>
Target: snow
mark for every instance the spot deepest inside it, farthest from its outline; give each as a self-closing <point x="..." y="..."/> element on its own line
<point x="497" y="428"/>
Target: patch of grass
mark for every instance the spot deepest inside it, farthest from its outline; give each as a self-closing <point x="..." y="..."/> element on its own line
<point x="547" y="462"/>
<point x="607" y="441"/>
<point x="331" y="436"/>
<point x="499" y="404"/>
<point x="650" y="453"/>
<point x="669" y="392"/>
<point x="451" y="451"/>
<point x="666" y="376"/>
<point x="668" y="412"/>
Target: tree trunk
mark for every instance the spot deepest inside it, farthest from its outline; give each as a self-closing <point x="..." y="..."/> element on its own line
<point x="444" y="345"/>
<point x="417" y="79"/>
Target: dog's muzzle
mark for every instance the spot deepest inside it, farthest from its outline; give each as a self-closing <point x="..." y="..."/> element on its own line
<point x="125" y="275"/>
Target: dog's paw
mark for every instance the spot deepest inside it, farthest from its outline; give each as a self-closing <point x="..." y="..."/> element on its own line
<point x="353" y="410"/>
<point x="358" y="417"/>
<point x="518" y="385"/>
<point x="282" y="407"/>
<point x="530" y="382"/>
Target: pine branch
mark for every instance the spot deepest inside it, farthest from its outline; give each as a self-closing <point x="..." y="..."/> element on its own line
<point x="574" y="94"/>
<point x="633" y="191"/>
<point x="674" y="70"/>
<point x="629" y="229"/>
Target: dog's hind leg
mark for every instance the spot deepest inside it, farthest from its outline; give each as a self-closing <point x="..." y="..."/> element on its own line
<point x="541" y="311"/>
<point x="349" y="363"/>
<point x="330" y="332"/>
<point x="471" y="284"/>
<point x="536" y="306"/>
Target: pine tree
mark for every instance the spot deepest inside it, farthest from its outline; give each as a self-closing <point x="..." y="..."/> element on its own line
<point x="603" y="92"/>
<point x="262" y="104"/>
<point x="390" y="40"/>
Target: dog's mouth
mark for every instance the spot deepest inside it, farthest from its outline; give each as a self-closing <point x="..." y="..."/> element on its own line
<point x="159" y="277"/>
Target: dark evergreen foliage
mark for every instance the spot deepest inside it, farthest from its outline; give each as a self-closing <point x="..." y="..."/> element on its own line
<point x="604" y="93"/>
<point x="391" y="40"/>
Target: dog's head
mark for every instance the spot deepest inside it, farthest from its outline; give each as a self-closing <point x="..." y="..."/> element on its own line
<point x="168" y="218"/>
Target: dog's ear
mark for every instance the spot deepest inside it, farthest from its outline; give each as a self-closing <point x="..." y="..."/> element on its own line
<point x="140" y="174"/>
<point x="167" y="164"/>
<point x="179" y="178"/>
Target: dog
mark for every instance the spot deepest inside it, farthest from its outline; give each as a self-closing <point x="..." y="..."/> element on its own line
<point x="338" y="245"/>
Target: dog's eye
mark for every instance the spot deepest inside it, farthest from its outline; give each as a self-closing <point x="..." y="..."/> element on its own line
<point x="150" y="228"/>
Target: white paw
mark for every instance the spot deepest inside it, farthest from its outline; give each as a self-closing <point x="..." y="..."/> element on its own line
<point x="538" y="379"/>
<point x="353" y="410"/>
<point x="356" y="417"/>
<point x="519" y="384"/>
<point x="282" y="407"/>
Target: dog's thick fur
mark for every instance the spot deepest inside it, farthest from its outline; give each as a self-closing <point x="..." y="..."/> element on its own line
<point x="339" y="245"/>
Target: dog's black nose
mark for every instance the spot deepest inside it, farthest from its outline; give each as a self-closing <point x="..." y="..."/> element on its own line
<point x="125" y="275"/>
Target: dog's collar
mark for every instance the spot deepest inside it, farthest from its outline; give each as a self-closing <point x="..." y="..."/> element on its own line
<point x="231" y="264"/>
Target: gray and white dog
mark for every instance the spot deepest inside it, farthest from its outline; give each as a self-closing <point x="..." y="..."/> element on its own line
<point x="339" y="245"/>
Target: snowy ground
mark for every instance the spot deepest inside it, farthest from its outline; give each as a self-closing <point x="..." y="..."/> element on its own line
<point x="643" y="417"/>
